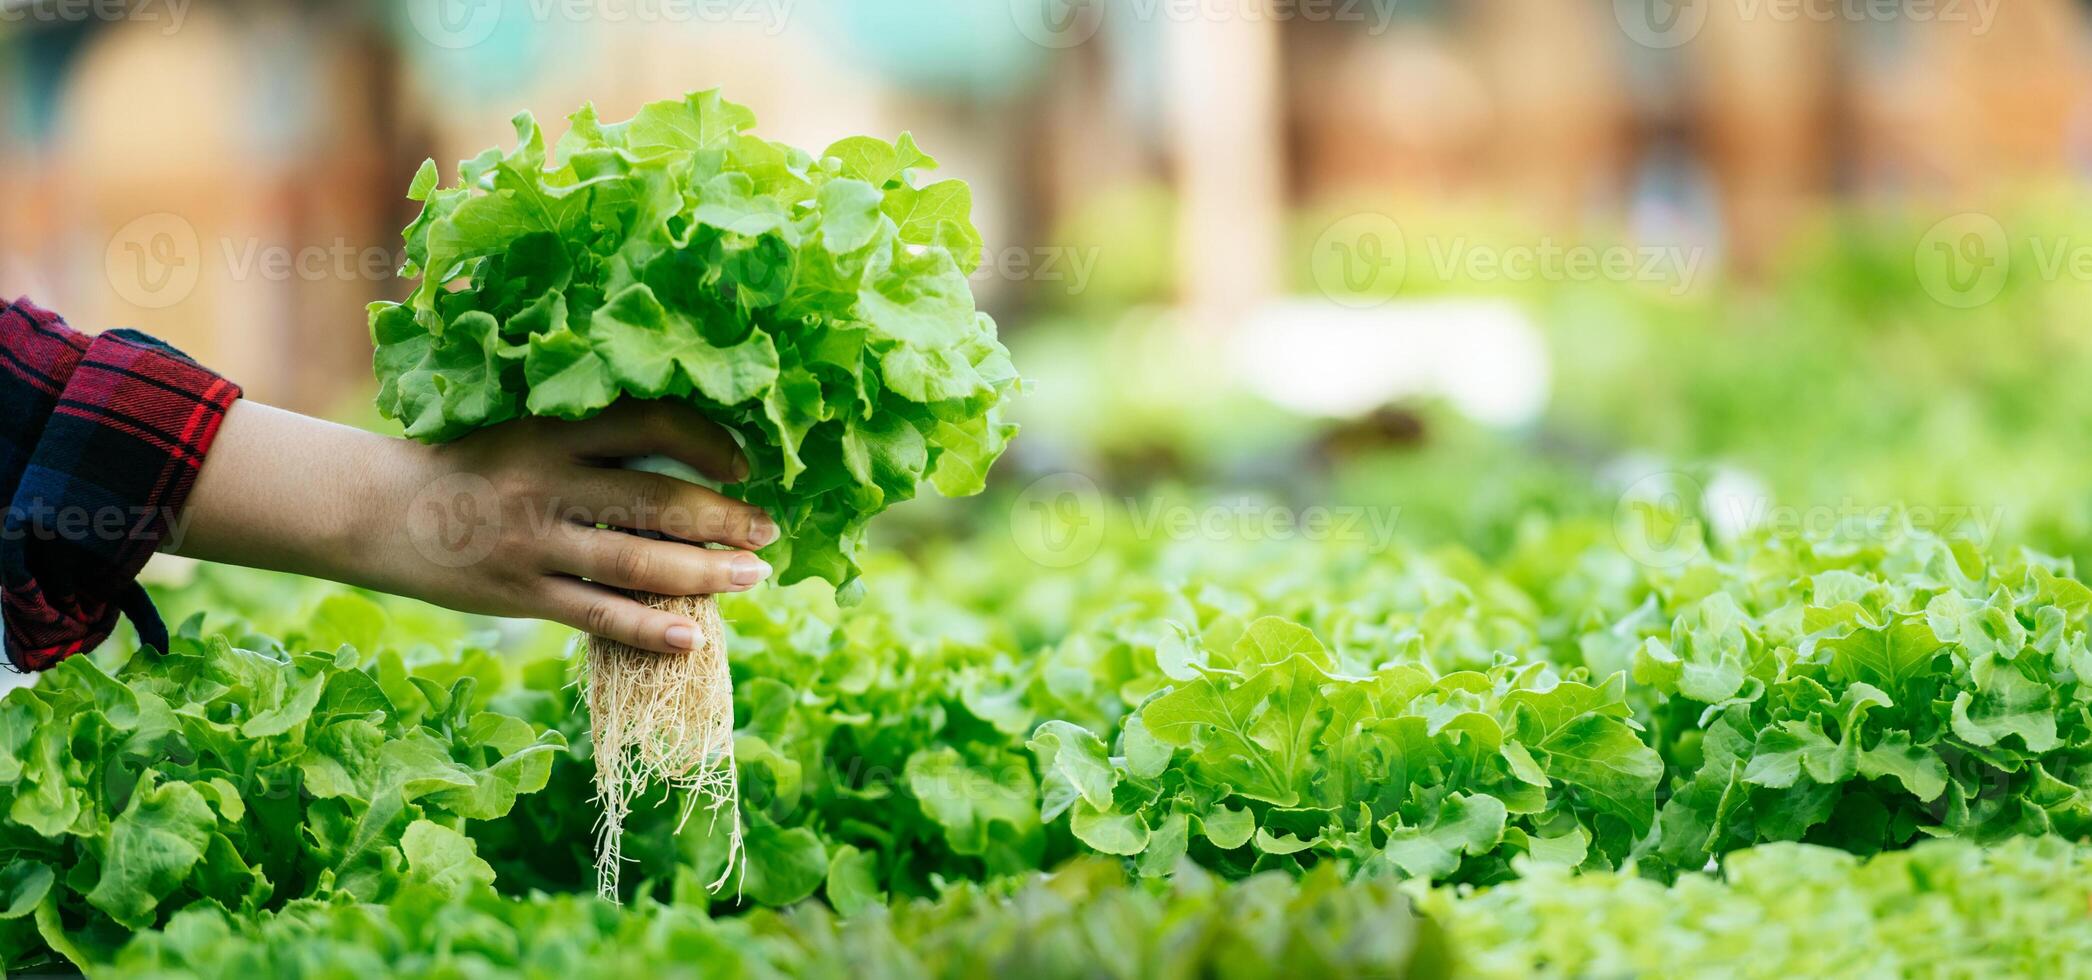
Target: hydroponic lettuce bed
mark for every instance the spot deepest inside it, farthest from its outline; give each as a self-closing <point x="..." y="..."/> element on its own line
<point x="1867" y="753"/>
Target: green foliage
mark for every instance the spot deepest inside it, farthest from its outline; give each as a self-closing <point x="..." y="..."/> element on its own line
<point x="1862" y="691"/>
<point x="1397" y="770"/>
<point x="1941" y="909"/>
<point x="1180" y="710"/>
<point x="1843" y="379"/>
<point x="1555" y="740"/>
<point x="1416" y="713"/>
<point x="815" y="306"/>
<point x="214" y="776"/>
<point x="1085" y="920"/>
<point x="1861" y="749"/>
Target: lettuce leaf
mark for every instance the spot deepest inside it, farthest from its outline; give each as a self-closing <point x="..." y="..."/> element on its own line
<point x="239" y="779"/>
<point x="815" y="306"/>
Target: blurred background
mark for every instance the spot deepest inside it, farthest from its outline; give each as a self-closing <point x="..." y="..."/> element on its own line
<point x="1459" y="265"/>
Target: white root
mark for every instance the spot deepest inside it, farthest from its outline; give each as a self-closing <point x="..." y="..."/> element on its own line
<point x="667" y="719"/>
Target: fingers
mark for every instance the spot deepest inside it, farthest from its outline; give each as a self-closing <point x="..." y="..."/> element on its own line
<point x="676" y="508"/>
<point x="597" y="610"/>
<point x="633" y="427"/>
<point x="628" y="561"/>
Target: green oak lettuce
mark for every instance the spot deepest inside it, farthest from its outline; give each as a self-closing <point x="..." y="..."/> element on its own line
<point x="238" y="779"/>
<point x="1414" y="714"/>
<point x="1084" y="920"/>
<point x="1947" y="908"/>
<point x="1865" y="690"/>
<point x="1944" y="908"/>
<point x="815" y="305"/>
<point x="1264" y="752"/>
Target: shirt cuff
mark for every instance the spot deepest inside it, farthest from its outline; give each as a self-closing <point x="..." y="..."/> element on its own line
<point x="103" y="486"/>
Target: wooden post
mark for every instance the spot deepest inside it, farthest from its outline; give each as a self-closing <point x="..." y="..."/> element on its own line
<point x="1221" y="85"/>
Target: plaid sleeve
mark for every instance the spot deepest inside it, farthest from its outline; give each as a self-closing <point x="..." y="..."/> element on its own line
<point x="101" y="441"/>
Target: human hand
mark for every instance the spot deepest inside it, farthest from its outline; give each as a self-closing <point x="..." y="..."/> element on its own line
<point x="504" y="521"/>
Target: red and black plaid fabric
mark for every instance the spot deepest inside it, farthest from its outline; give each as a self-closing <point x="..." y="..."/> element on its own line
<point x="100" y="441"/>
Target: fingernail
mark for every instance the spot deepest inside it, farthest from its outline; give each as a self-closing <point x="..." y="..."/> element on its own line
<point x="682" y="637"/>
<point x="748" y="570"/>
<point x="740" y="468"/>
<point x="762" y="531"/>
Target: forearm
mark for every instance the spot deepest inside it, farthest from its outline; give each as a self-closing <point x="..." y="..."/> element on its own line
<point x="511" y="521"/>
<point x="291" y="493"/>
